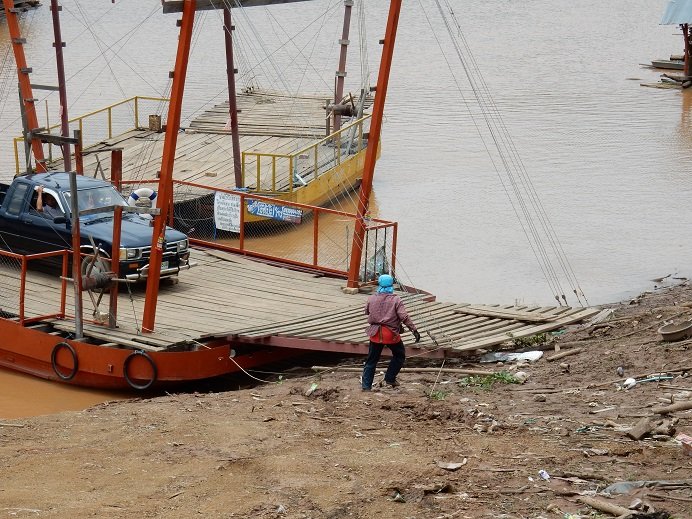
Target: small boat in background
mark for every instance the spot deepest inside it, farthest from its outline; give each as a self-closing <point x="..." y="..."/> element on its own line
<point x="672" y="64"/>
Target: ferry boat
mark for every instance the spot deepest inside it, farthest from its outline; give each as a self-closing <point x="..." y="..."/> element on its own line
<point x="239" y="306"/>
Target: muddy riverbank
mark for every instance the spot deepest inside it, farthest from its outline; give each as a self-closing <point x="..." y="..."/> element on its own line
<point x="443" y="445"/>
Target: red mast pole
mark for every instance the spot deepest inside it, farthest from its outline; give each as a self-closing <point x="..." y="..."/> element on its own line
<point x="62" y="85"/>
<point x="166" y="177"/>
<point x="373" y="142"/>
<point x="232" y="101"/>
<point x="341" y="73"/>
<point x="24" y="83"/>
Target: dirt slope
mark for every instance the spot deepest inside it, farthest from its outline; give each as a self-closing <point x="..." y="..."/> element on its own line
<point x="273" y="452"/>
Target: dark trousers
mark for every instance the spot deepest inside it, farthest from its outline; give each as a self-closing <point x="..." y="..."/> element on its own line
<point x="395" y="365"/>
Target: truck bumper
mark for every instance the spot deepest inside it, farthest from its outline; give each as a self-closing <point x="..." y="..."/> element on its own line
<point x="143" y="273"/>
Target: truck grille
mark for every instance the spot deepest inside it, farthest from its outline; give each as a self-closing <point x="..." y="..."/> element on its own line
<point x="171" y="250"/>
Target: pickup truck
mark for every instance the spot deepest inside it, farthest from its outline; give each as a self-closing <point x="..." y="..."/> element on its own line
<point x="24" y="229"/>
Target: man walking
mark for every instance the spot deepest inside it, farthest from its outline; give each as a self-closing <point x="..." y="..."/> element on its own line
<point x="386" y="317"/>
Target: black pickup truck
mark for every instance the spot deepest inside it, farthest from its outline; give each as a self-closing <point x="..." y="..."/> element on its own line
<point x="30" y="227"/>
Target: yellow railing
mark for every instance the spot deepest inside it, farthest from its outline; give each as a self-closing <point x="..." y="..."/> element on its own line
<point x="309" y="151"/>
<point x="86" y="141"/>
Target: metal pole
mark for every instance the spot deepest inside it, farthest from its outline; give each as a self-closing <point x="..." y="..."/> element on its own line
<point x="62" y="85"/>
<point x="688" y="49"/>
<point x="117" y="168"/>
<point x="76" y="259"/>
<point x="341" y="73"/>
<point x="26" y="94"/>
<point x="166" y="176"/>
<point x="232" y="100"/>
<point x="78" y="157"/>
<point x="373" y="142"/>
<point x="115" y="266"/>
<point x="25" y="131"/>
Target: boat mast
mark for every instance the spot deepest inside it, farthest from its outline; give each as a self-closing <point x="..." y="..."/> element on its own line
<point x="27" y="96"/>
<point x="341" y="73"/>
<point x="232" y="100"/>
<point x="62" y="86"/>
<point x="166" y="177"/>
<point x="373" y="142"/>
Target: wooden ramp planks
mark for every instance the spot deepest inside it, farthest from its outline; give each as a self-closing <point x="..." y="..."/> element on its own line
<point x="270" y="122"/>
<point x="227" y="295"/>
<point x="450" y="326"/>
<point x="263" y="112"/>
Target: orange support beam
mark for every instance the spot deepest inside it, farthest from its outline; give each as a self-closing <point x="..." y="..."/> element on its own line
<point x="166" y="176"/>
<point x="373" y="143"/>
<point x="27" y="95"/>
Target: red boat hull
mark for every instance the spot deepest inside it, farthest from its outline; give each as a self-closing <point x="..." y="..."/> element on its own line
<point x="54" y="358"/>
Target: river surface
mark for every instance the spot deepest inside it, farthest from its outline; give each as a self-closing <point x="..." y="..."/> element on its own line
<point x="606" y="156"/>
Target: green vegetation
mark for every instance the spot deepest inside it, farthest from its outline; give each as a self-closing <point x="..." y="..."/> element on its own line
<point x="438" y="394"/>
<point x="530" y="341"/>
<point x="487" y="381"/>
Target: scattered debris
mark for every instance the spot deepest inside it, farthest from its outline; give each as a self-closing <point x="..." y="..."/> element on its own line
<point x="676" y="332"/>
<point x="625" y="487"/>
<point x="565" y="353"/>
<point x="649" y="425"/>
<point x="680" y="406"/>
<point x="398" y="498"/>
<point x="502" y="356"/>
<point x="604" y="506"/>
<point x="311" y="389"/>
<point x="629" y="383"/>
<point x="686" y="441"/>
<point x="521" y="376"/>
<point x="452" y="466"/>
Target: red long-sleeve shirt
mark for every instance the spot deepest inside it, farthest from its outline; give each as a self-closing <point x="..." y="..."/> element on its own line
<point x="386" y="310"/>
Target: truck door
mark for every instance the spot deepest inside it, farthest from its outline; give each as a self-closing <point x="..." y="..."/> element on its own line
<point x="41" y="232"/>
<point x="11" y="213"/>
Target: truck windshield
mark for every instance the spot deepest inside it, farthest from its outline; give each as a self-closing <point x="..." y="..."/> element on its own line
<point x="97" y="197"/>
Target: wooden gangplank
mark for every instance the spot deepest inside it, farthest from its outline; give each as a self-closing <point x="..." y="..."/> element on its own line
<point x="230" y="296"/>
<point x="444" y="326"/>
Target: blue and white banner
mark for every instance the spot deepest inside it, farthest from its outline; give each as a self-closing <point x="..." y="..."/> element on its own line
<point x="275" y="212"/>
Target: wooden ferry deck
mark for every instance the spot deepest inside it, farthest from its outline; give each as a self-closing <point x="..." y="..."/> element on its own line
<point x="269" y="122"/>
<point x="256" y="303"/>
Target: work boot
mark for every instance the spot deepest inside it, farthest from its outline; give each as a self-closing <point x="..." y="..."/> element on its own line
<point x="390" y="385"/>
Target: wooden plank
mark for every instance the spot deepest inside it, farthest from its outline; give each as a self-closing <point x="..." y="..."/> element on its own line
<point x="110" y="338"/>
<point x="531" y="330"/>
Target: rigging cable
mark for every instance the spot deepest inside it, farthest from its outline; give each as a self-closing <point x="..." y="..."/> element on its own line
<point x="512" y="165"/>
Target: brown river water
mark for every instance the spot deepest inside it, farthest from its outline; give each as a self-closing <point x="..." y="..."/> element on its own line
<point x="607" y="157"/>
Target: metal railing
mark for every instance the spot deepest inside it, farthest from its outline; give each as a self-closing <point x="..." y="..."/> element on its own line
<point x="307" y="163"/>
<point x="318" y="238"/>
<point x="18" y="306"/>
<point x="107" y="122"/>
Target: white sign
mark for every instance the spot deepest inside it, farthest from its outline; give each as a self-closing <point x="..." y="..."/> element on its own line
<point x="227" y="212"/>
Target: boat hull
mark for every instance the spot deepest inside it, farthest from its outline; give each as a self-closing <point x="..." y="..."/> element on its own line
<point x="321" y="191"/>
<point x="51" y="357"/>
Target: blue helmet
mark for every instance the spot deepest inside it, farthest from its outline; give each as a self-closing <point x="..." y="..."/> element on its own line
<point x="385" y="281"/>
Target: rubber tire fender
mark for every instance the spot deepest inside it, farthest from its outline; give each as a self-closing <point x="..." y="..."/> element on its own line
<point x="53" y="361"/>
<point x="126" y="367"/>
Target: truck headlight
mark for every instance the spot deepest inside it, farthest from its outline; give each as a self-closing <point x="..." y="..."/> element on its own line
<point x="182" y="246"/>
<point x="129" y="254"/>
